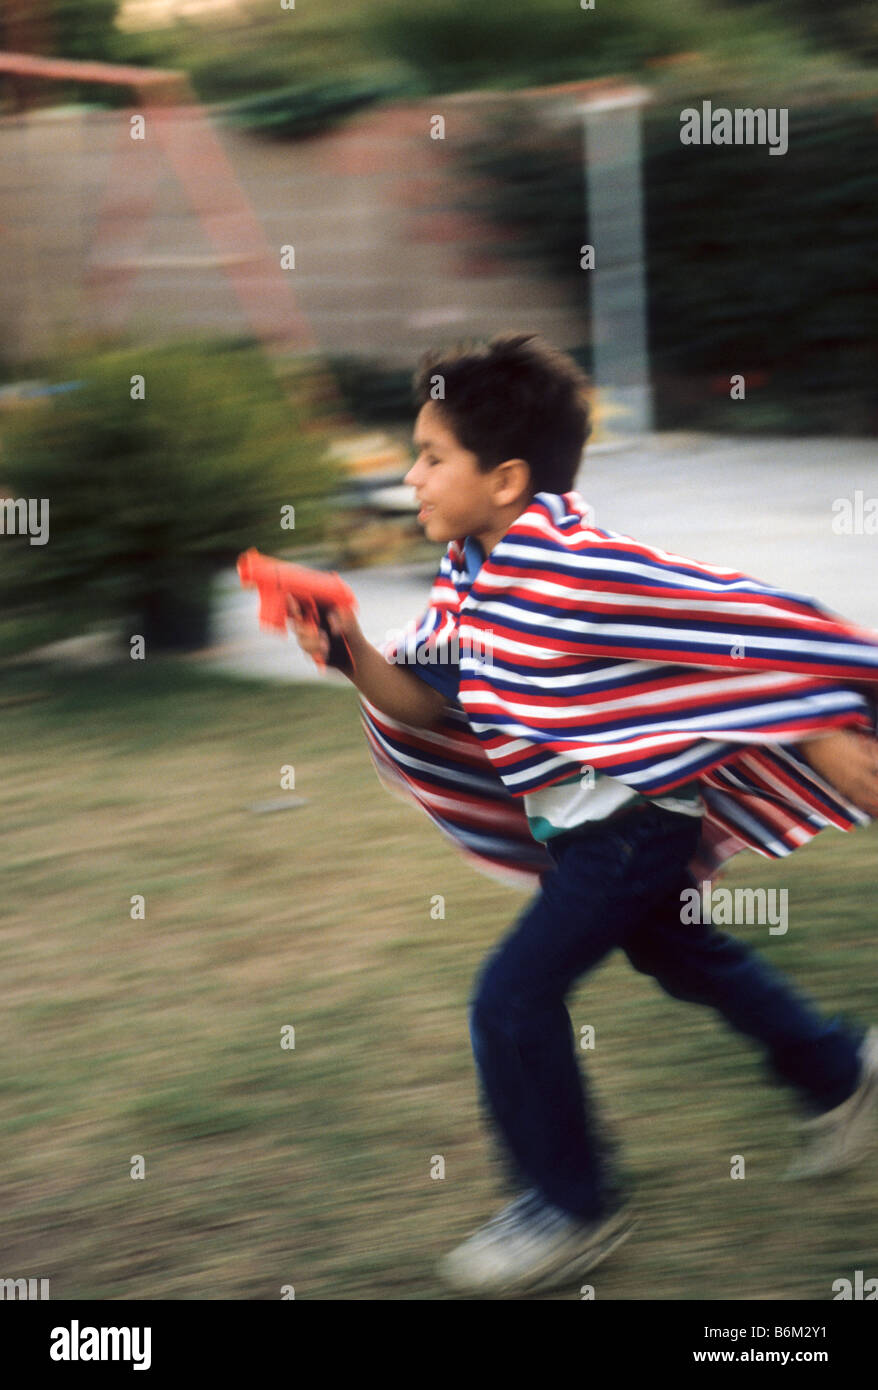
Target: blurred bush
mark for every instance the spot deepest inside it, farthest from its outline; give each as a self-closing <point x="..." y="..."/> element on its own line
<point x="756" y="264"/>
<point x="276" y="72"/>
<point x="83" y="29"/>
<point x="377" y="393"/>
<point x="149" y="498"/>
<point x="848" y="26"/>
<point x="308" y="108"/>
<point x="766" y="266"/>
<point x="456" y="47"/>
<point x="373" y="391"/>
<point x="437" y="46"/>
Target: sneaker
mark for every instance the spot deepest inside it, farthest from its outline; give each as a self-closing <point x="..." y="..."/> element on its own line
<point x="838" y="1139"/>
<point x="530" y="1246"/>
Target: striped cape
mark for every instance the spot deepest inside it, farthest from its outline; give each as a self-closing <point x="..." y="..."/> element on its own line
<point x="582" y="648"/>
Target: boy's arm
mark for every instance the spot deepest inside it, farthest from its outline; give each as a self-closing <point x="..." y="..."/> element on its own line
<point x="391" y="688"/>
<point x="848" y="760"/>
<point x="388" y="686"/>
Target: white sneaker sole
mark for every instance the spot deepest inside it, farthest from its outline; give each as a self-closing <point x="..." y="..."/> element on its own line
<point x="852" y="1134"/>
<point x="556" y="1271"/>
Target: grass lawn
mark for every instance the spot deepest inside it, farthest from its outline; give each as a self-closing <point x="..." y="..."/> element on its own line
<point x="310" y="1166"/>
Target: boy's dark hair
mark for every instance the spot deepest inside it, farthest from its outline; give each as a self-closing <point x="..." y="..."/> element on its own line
<point x="514" y="396"/>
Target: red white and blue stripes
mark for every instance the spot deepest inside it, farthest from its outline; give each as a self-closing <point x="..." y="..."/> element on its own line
<point x="580" y="647"/>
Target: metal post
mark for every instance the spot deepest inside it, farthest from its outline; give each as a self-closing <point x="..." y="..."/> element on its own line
<point x="614" y="200"/>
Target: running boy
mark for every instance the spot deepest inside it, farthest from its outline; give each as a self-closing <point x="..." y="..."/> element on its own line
<point x="711" y="713"/>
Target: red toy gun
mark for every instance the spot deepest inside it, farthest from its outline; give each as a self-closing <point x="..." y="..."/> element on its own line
<point x="315" y="591"/>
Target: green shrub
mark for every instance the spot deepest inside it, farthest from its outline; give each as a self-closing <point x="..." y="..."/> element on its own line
<point x="376" y="393"/>
<point x="764" y="266"/>
<point x="84" y="29"/>
<point x="846" y="26"/>
<point x="306" y="108"/>
<point x="373" y="391"/>
<point x="456" y="47"/>
<point x="756" y="265"/>
<point x="149" y="498"/>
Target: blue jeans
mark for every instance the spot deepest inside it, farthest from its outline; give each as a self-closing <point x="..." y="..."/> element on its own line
<point x="619" y="885"/>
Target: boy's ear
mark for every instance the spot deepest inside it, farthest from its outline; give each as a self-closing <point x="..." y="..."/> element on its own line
<point x="514" y="479"/>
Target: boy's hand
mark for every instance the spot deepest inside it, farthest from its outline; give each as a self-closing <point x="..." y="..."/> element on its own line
<point x="315" y="643"/>
<point x="393" y="690"/>
<point x="848" y="760"/>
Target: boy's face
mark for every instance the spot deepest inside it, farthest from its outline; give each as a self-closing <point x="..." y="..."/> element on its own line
<point x="457" y="499"/>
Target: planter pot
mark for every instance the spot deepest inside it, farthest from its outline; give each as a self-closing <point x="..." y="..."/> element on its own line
<point x="176" y="619"/>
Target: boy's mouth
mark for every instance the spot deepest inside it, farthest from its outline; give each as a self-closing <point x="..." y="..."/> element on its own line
<point x="425" y="511"/>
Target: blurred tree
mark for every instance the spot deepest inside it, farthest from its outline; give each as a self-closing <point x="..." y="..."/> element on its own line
<point x="848" y="26"/>
<point x="83" y="29"/>
<point x="457" y="47"/>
